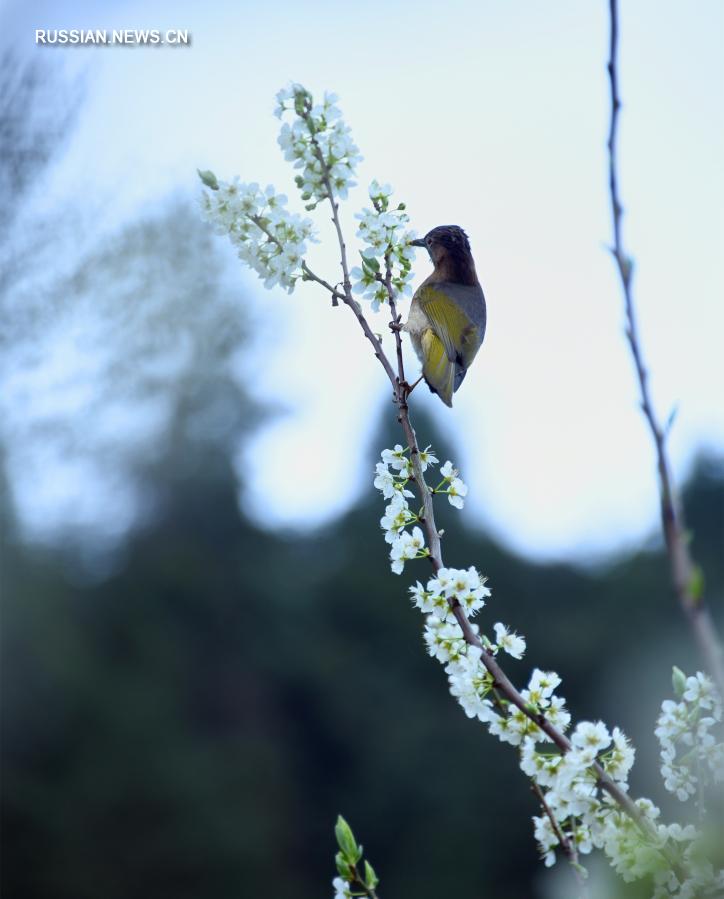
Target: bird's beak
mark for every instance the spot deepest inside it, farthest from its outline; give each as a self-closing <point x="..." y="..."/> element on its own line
<point x="417" y="243"/>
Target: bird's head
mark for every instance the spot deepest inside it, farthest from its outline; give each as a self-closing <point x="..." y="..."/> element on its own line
<point x="443" y="241"/>
<point x="449" y="250"/>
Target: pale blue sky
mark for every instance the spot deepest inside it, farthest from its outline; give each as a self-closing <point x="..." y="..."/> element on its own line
<point x="490" y="115"/>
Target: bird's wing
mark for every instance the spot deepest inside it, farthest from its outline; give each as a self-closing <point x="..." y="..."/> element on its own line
<point x="439" y="371"/>
<point x="459" y="335"/>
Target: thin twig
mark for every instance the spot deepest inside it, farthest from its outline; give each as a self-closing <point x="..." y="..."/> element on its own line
<point x="332" y="202"/>
<point x="310" y="276"/>
<point x="684" y="573"/>
<point x="359" y="880"/>
<point x="566" y="844"/>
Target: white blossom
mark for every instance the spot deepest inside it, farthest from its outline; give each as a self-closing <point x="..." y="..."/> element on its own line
<point x="700" y="691"/>
<point x="509" y="641"/>
<point x="541" y="766"/>
<point x="541" y="686"/>
<point x="690" y="754"/>
<point x="444" y="639"/>
<point x="390" y="482"/>
<point x="557" y="713"/>
<point x="397" y="516"/>
<point x="395" y="458"/>
<point x="342" y="889"/>
<point x="456" y="493"/>
<point x="468" y="682"/>
<point x="427" y="457"/>
<point x="464" y="585"/>
<point x="456" y="489"/>
<point x="406" y="546"/>
<point x="318" y="142"/>
<point x="386" y="258"/>
<point x="269" y="239"/>
<point x="591" y="736"/>
<point x="619" y="760"/>
<point x="546" y="838"/>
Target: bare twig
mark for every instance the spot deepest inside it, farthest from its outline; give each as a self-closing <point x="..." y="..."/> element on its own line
<point x="310" y="276"/>
<point x="686" y="577"/>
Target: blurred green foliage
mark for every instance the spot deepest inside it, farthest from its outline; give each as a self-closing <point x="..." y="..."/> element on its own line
<point x="193" y="723"/>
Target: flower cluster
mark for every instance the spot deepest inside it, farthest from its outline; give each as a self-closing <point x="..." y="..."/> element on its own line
<point x="392" y="476"/>
<point x="585" y="817"/>
<point x="452" y="485"/>
<point x="690" y="754"/>
<point x="577" y="812"/>
<point x="270" y="240"/>
<point x="569" y="783"/>
<point x="673" y="856"/>
<point x="387" y="256"/>
<point x="318" y="142"/>
<point x="451" y="586"/>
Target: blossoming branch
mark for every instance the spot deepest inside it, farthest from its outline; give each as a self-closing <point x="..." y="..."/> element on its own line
<point x="579" y="775"/>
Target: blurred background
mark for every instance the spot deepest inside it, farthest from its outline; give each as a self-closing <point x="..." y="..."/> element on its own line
<point x="205" y="657"/>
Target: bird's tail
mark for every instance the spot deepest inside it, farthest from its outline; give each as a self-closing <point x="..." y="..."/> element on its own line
<point x="440" y="373"/>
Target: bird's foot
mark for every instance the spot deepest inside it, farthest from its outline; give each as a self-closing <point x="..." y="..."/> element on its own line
<point x="396" y="326"/>
<point x="406" y="388"/>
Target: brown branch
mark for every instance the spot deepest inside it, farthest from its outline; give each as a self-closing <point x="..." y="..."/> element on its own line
<point x="685" y="575"/>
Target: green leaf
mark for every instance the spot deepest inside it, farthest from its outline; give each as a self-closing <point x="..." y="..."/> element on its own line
<point x="696" y="584"/>
<point x="209" y="179"/>
<point x="343" y="867"/>
<point x="678" y="681"/>
<point x="346" y="841"/>
<point x="370" y="263"/>
<point x="371" y="879"/>
<point x="299" y="102"/>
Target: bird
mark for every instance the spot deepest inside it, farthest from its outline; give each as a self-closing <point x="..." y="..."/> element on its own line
<point x="447" y="316"/>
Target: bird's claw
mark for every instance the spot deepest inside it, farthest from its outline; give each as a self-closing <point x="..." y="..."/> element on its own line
<point x="406" y="388"/>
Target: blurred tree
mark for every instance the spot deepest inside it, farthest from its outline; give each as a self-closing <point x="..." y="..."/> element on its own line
<point x="37" y="113"/>
<point x="137" y="344"/>
<point x="109" y="347"/>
